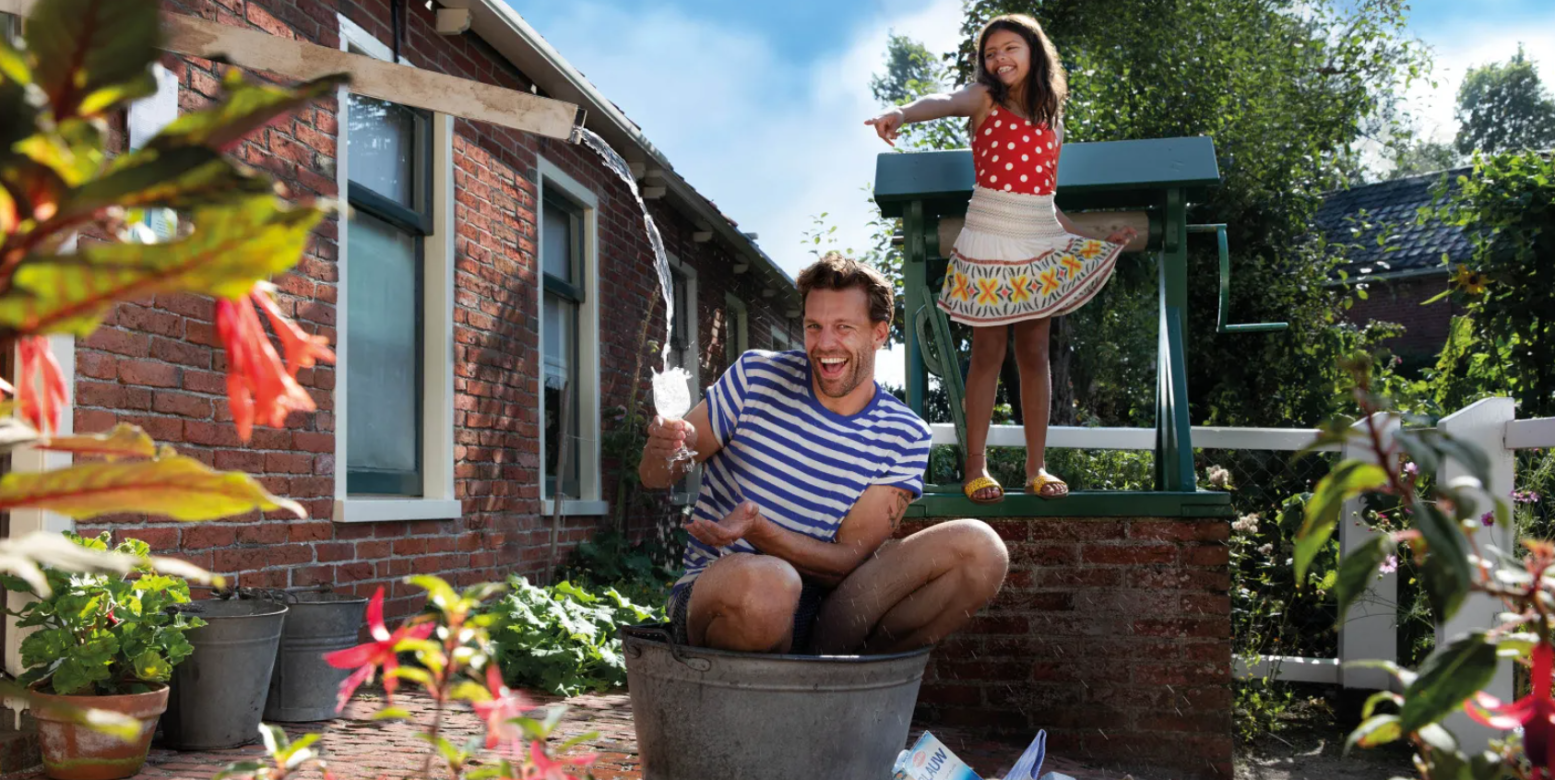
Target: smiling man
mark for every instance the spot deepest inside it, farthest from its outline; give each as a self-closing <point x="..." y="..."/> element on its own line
<point x="810" y="466"/>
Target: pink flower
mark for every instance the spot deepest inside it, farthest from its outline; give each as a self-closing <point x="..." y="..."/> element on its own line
<point x="1487" y="519"/>
<point x="365" y="659"/>
<point x="40" y="391"/>
<point x="1534" y="713"/>
<point x="543" y="767"/>
<point x="503" y="707"/>
<point x="1389" y="565"/>
<point x="1411" y="470"/>
<point x="259" y="388"/>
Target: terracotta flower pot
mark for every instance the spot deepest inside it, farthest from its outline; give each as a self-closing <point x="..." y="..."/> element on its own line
<point x="75" y="752"/>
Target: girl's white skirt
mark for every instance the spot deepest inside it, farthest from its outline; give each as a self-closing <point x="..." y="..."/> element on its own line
<point x="1013" y="261"/>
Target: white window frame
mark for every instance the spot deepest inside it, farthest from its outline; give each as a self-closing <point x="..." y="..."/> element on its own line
<point x="437" y="500"/>
<point x="549" y="176"/>
<point x="780" y="333"/>
<point x="684" y="492"/>
<point x="736" y="309"/>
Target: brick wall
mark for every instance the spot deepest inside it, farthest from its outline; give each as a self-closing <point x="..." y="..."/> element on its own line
<point x="157" y="362"/>
<point x="1113" y="635"/>
<point x="1400" y="301"/>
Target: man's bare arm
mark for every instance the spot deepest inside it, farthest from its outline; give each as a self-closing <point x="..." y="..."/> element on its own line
<point x="876" y="516"/>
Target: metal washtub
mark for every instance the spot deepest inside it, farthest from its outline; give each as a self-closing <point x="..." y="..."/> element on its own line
<point x="303" y="687"/>
<point x="702" y="713"/>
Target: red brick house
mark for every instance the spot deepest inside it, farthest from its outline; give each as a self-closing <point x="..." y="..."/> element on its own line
<point x="480" y="273"/>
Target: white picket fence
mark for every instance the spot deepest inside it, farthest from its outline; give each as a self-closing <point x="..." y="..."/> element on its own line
<point x="1370" y="630"/>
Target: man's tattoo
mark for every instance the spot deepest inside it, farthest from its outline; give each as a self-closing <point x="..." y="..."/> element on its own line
<point x="899" y="508"/>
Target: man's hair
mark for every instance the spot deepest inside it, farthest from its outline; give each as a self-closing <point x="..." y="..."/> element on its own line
<point x="835" y="272"/>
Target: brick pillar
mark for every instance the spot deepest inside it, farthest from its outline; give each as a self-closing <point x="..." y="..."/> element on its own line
<point x="1113" y="635"/>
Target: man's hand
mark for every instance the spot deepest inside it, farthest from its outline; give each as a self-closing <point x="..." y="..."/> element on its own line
<point x="731" y="529"/>
<point x="666" y="436"/>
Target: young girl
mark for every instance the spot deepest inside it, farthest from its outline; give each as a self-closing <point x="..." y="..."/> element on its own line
<point x="1019" y="261"/>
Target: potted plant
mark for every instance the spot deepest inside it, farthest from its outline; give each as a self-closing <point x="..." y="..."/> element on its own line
<point x="104" y="642"/>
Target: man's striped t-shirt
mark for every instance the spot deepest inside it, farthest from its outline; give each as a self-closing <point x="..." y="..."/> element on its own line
<point x="804" y="465"/>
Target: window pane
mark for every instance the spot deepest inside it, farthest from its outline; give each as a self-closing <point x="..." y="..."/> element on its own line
<point x="561" y="370"/>
<point x="382" y="340"/>
<point x="382" y="149"/>
<point x="679" y="337"/>
<point x="560" y="228"/>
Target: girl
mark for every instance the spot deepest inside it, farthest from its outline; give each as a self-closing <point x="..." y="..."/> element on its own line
<point x="1019" y="261"/>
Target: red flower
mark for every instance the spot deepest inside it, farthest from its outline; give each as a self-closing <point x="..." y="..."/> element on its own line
<point x="543" y="767"/>
<point x="379" y="652"/>
<point x="1534" y="713"/>
<point x="259" y="388"/>
<point x="39" y="405"/>
<point x="503" y="707"/>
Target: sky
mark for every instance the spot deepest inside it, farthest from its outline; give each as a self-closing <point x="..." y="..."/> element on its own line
<point x="760" y="105"/>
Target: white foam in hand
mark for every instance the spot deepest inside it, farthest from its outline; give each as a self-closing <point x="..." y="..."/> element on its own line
<point x="672" y="393"/>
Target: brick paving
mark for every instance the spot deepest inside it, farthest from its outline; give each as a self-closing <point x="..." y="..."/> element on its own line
<point x="359" y="748"/>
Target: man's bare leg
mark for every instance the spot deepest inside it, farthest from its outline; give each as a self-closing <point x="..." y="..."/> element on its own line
<point x="914" y="592"/>
<point x="745" y="602"/>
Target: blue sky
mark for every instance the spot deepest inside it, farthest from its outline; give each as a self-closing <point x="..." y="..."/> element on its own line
<point x="760" y="105"/>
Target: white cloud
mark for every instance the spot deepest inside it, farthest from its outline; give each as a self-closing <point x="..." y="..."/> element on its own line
<point x="1463" y="45"/>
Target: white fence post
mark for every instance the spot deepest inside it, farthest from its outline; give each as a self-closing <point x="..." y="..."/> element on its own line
<point x="1370" y="630"/>
<point x="1482" y="425"/>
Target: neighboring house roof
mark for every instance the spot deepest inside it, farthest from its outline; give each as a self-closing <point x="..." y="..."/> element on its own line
<point x="1357" y="216"/>
<point x="501" y="26"/>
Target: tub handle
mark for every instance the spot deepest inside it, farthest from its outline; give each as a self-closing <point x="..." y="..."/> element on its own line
<point x="695" y="664"/>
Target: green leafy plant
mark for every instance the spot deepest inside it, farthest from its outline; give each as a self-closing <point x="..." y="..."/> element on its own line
<point x="103" y="634"/>
<point x="562" y="638"/>
<point x="640" y="571"/>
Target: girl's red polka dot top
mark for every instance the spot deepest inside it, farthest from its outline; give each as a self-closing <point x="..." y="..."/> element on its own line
<point x="1013" y="155"/>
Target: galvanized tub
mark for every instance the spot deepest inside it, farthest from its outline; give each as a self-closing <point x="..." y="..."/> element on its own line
<point x="704" y="713"/>
<point x="303" y="687"/>
<point x="218" y="692"/>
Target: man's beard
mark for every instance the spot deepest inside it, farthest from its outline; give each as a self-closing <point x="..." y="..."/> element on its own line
<point x="860" y="366"/>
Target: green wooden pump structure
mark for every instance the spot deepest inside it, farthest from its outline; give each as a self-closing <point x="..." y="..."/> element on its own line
<point x="1158" y="177"/>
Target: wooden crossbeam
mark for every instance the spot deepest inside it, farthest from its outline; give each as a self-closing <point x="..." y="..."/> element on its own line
<point x="372" y="77"/>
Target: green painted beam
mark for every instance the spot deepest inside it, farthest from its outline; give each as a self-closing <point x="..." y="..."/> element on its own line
<point x="1084" y="503"/>
<point x="1106" y="174"/>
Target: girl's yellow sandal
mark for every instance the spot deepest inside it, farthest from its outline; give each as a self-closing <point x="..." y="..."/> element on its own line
<point x="1038" y="483"/>
<point x="982" y="483"/>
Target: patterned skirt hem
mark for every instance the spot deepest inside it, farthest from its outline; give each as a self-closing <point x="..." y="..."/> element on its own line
<point x="1055" y="282"/>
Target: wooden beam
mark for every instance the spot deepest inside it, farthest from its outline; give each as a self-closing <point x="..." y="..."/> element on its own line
<point x="702" y="236"/>
<point x="653" y="193"/>
<point x="452" y="21"/>
<point x="401" y="84"/>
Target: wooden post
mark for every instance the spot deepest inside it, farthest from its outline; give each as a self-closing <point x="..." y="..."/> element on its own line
<point x="1483" y="425"/>
<point x="1370" y="630"/>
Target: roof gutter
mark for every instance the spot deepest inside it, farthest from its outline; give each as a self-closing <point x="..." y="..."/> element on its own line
<point x="501" y="26"/>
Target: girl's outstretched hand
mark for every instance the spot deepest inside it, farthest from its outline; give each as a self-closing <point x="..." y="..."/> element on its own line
<point x="886" y="125"/>
<point x="1122" y="236"/>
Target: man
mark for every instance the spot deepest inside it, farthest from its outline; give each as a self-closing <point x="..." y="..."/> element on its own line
<point x="810" y="466"/>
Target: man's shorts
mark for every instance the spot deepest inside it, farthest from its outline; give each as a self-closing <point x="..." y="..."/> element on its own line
<point x="810" y="597"/>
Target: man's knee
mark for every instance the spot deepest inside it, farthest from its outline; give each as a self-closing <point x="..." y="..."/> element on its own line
<point x="980" y="554"/>
<point x="757" y="595"/>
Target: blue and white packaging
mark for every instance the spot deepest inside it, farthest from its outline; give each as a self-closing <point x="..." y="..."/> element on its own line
<point x="929" y="759"/>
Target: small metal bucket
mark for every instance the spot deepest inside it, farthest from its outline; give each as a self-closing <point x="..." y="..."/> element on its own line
<point x="303" y="688"/>
<point x="702" y="713"/>
<point x="218" y="692"/>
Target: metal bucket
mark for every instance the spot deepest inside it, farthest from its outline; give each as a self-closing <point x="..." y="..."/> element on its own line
<point x="303" y="688"/>
<point x="218" y="692"/>
<point x="704" y="713"/>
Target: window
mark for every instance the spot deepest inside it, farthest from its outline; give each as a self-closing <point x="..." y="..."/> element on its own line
<point x="686" y="353"/>
<point x="569" y="339"/>
<point x="388" y="154"/>
<point x="781" y="341"/>
<point x="736" y="330"/>
<point x="561" y="257"/>
<point x="394" y="369"/>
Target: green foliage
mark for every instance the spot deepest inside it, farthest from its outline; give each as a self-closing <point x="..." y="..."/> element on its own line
<point x="101" y="634"/>
<point x="642" y="572"/>
<point x="1505" y="343"/>
<point x="562" y="638"/>
<point x="1505" y="108"/>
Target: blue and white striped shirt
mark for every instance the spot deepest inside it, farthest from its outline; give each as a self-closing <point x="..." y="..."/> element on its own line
<point x="803" y="464"/>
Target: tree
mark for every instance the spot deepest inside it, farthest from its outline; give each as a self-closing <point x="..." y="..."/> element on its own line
<point x="912" y="71"/>
<point x="1505" y="108"/>
<point x="1286" y="89"/>
<point x="1420" y="156"/>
